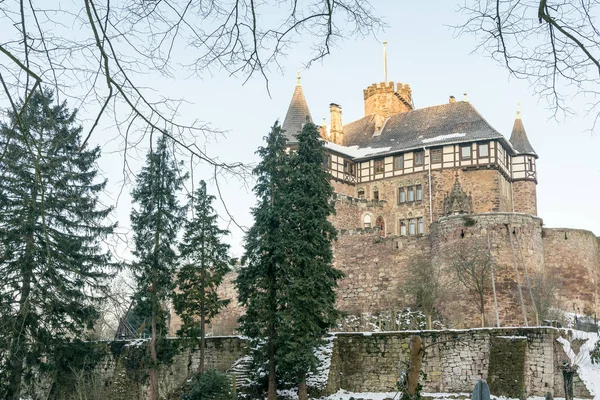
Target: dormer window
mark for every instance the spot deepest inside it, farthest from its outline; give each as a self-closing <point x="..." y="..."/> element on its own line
<point x="419" y="157"/>
<point x="379" y="166"/>
<point x="484" y="150"/>
<point x="465" y="152"/>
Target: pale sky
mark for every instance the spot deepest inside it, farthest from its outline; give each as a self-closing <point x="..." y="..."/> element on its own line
<point x="422" y="52"/>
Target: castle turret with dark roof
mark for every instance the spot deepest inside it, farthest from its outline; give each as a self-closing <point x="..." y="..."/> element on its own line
<point x="524" y="170"/>
<point x="297" y="115"/>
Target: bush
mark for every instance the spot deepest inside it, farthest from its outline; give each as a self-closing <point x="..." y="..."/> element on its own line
<point x="211" y="385"/>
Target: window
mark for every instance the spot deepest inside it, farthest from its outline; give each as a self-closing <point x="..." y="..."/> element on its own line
<point x="484" y="150"/>
<point x="381" y="225"/>
<point x="348" y="167"/>
<point x="399" y="162"/>
<point x="419" y="192"/>
<point x="419" y="157"/>
<point x="420" y="227"/>
<point x="436" y="156"/>
<point x="367" y="221"/>
<point x="379" y="166"/>
<point x="361" y="193"/>
<point x="411" y="227"/>
<point x="530" y="164"/>
<point x="375" y="194"/>
<point x="411" y="193"/>
<point x="506" y="159"/>
<point x="327" y="161"/>
<point x="401" y="195"/>
<point x="403" y="227"/>
<point x="465" y="152"/>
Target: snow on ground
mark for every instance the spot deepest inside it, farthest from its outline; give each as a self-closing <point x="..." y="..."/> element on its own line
<point x="319" y="378"/>
<point x="344" y="395"/>
<point x="588" y="372"/>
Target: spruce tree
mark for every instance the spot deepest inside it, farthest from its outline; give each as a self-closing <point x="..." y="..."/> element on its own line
<point x="156" y="221"/>
<point x="206" y="261"/>
<point x="52" y="265"/>
<point x="310" y="281"/>
<point x="258" y="282"/>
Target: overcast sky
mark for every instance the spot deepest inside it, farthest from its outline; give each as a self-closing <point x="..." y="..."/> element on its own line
<point x="423" y="52"/>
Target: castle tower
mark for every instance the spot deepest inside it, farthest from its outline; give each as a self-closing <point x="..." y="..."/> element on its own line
<point x="336" y="131"/>
<point x="297" y="115"/>
<point x="524" y="172"/>
<point x="385" y="99"/>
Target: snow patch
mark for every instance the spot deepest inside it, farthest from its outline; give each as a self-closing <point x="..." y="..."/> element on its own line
<point x="444" y="137"/>
<point x="588" y="372"/>
<point x="355" y="151"/>
<point x="319" y="378"/>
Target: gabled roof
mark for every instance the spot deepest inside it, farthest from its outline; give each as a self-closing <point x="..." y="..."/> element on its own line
<point x="519" y="139"/>
<point x="297" y="114"/>
<point x="438" y="125"/>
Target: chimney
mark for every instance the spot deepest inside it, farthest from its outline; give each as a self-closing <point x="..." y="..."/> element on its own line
<point x="336" y="133"/>
<point x="452" y="100"/>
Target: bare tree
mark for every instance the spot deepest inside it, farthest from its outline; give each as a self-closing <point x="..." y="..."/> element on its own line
<point x="469" y="261"/>
<point x="543" y="288"/>
<point x="423" y="286"/>
<point x="554" y="44"/>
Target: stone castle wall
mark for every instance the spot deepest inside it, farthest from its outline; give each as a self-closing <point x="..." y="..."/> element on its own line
<point x="571" y="257"/>
<point x="525" y="198"/>
<point x="515" y="361"/>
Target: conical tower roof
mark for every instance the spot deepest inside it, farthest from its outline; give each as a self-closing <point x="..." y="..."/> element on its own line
<point x="297" y="115"/>
<point x="518" y="138"/>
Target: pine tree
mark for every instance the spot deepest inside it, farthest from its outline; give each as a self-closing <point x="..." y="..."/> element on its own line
<point x="258" y="282"/>
<point x="52" y="266"/>
<point x="206" y="261"/>
<point x="155" y="222"/>
<point x="308" y="286"/>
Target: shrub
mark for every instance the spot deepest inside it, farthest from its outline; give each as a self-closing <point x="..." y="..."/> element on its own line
<point x="211" y="385"/>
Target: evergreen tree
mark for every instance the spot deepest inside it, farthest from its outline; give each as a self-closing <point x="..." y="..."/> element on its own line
<point x="309" y="282"/>
<point x="52" y="266"/>
<point x="206" y="261"/>
<point x="258" y="283"/>
<point x="155" y="222"/>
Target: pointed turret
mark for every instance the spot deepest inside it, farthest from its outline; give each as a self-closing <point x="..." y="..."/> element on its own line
<point x="518" y="138"/>
<point x="297" y="115"/>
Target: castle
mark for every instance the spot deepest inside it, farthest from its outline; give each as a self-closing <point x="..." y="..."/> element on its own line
<point x="412" y="183"/>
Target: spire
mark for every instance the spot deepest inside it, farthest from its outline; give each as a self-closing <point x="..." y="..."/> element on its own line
<point x="298" y="113"/>
<point x="518" y="138"/>
<point x="458" y="202"/>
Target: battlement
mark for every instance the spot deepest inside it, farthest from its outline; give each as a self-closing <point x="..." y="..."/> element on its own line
<point x="387" y="98"/>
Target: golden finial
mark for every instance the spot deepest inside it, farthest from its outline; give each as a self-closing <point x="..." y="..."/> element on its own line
<point x="519" y="110"/>
<point x="298" y="78"/>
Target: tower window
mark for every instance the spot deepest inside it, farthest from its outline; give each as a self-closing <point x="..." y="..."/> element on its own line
<point x="420" y="227"/>
<point x="436" y="156"/>
<point x="379" y="166"/>
<point x="530" y="164"/>
<point x="402" y="227"/>
<point x="465" y="152"/>
<point x="484" y="150"/>
<point x="399" y="162"/>
<point x="411" y="227"/>
<point x="419" y="192"/>
<point x="401" y="195"/>
<point x="411" y="193"/>
<point x="367" y="221"/>
<point x="419" y="157"/>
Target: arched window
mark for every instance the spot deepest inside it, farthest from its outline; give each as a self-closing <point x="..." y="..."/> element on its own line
<point x="381" y="225"/>
<point x="361" y="193"/>
<point x="367" y="221"/>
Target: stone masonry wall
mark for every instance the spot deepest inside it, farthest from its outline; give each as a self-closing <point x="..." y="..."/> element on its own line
<point x="571" y="256"/>
<point x="472" y="231"/>
<point x="454" y="360"/>
<point x="525" y="197"/>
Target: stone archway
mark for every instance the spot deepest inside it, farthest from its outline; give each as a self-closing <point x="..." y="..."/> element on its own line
<point x="380" y="223"/>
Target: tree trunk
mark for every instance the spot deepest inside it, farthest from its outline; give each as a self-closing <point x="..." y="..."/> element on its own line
<point x="415" y="366"/>
<point x="302" y="394"/>
<point x="202" y="334"/>
<point x="152" y="373"/>
<point x="272" y="390"/>
<point x="17" y="354"/>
